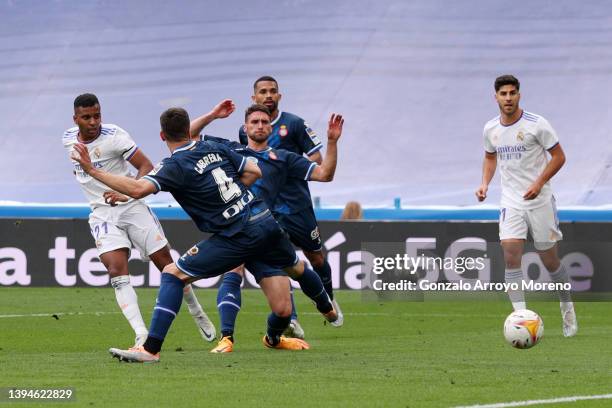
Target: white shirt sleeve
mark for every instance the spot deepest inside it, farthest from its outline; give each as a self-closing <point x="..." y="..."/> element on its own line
<point x="489" y="148"/>
<point x="123" y="144"/>
<point x="546" y="135"/>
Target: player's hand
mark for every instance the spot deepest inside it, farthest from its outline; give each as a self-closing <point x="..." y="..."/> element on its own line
<point x="533" y="191"/>
<point x="481" y="193"/>
<point x="112" y="197"/>
<point x="223" y="109"/>
<point x="81" y="155"/>
<point x="334" y="127"/>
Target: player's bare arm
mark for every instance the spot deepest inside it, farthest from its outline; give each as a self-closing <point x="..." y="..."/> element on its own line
<point x="134" y="188"/>
<point x="141" y="162"/>
<point x="222" y="110"/>
<point x="251" y="173"/>
<point x="554" y="165"/>
<point x="488" y="171"/>
<point x="316" y="157"/>
<point x="325" y="172"/>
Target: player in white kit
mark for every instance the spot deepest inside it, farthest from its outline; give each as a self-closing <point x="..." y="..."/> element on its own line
<point x="517" y="142"/>
<point x="118" y="222"/>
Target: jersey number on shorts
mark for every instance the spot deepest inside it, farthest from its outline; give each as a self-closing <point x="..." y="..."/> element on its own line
<point x="98" y="228"/>
<point x="227" y="188"/>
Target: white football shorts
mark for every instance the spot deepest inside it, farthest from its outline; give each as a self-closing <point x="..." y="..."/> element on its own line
<point x="124" y="226"/>
<point x="541" y="222"/>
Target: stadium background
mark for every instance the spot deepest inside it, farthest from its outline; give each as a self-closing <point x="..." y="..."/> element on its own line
<point x="414" y="81"/>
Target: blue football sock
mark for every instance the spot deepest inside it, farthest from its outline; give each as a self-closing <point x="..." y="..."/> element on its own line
<point x="229" y="301"/>
<point x="293" y="309"/>
<point x="276" y="327"/>
<point x="325" y="273"/>
<point x="168" y="304"/>
<point x="313" y="288"/>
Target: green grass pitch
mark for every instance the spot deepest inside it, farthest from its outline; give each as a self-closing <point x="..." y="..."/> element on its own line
<point x="388" y="354"/>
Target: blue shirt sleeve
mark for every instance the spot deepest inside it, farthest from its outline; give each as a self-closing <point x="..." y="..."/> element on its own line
<point x="234" y="158"/>
<point x="298" y="166"/>
<point x="306" y="138"/>
<point x="167" y="176"/>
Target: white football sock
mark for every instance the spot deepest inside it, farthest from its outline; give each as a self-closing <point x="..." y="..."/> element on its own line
<point x="517" y="297"/>
<point x="195" y="309"/>
<point x="128" y="302"/>
<point x="560" y="276"/>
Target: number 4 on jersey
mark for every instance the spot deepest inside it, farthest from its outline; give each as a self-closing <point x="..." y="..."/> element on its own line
<point x="227" y="188"/>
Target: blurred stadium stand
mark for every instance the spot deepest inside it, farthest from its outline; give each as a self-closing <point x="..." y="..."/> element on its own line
<point x="413" y="79"/>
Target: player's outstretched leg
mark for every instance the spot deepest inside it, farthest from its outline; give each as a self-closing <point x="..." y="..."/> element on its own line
<point x="116" y="263"/>
<point x="322" y="268"/>
<point x="295" y="328"/>
<point x="276" y="289"/>
<point x="205" y="325"/>
<point x="229" y="301"/>
<point x="513" y="252"/>
<point x="313" y="288"/>
<point x="167" y="307"/>
<point x="128" y="302"/>
<point x="558" y="274"/>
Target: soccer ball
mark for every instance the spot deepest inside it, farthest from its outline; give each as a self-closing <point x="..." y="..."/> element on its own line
<point x="523" y="329"/>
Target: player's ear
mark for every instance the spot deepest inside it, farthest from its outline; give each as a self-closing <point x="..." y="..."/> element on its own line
<point x="280" y="96"/>
<point x="162" y="136"/>
<point x="253" y="98"/>
<point x="74" y="119"/>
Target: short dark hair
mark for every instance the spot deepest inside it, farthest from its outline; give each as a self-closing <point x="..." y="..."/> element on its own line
<point x="264" y="78"/>
<point x="506" y="80"/>
<point x="175" y="124"/>
<point x="85" y="100"/>
<point x="256" y="108"/>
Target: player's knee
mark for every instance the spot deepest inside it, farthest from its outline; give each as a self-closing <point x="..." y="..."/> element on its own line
<point x="512" y="258"/>
<point x="172" y="269"/>
<point x="282" y="308"/>
<point x="551" y="262"/>
<point x="295" y="271"/>
<point x="316" y="259"/>
<point x="239" y="271"/>
<point x="117" y="270"/>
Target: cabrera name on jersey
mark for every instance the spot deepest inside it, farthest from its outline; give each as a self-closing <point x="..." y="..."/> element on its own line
<point x="110" y="151"/>
<point x="521" y="157"/>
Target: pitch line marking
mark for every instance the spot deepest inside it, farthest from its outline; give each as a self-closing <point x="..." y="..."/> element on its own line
<point x="540" y="402"/>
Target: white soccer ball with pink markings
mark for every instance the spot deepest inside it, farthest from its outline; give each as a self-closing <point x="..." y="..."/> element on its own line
<point x="523" y="329"/>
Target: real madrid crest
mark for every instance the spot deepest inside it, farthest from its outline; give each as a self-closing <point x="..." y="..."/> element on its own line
<point x="193" y="250"/>
<point x="97" y="152"/>
<point x="283" y="131"/>
<point x="520" y="136"/>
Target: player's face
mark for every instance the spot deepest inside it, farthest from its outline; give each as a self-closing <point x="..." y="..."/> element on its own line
<point x="258" y="127"/>
<point x="88" y="120"/>
<point x="267" y="94"/>
<point x="508" y="98"/>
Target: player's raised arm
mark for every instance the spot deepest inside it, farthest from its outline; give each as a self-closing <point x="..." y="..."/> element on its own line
<point x="488" y="171"/>
<point x="557" y="161"/>
<point x="222" y="110"/>
<point x="325" y="172"/>
<point x="134" y="188"/>
<point x="316" y="157"/>
<point x="250" y="174"/>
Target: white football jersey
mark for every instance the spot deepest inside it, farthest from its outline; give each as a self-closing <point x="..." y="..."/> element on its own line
<point x="521" y="157"/>
<point x="110" y="151"/>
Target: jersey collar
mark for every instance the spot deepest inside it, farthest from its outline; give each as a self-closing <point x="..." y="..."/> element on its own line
<point x="277" y="118"/>
<point x="185" y="147"/>
<point x="513" y="123"/>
